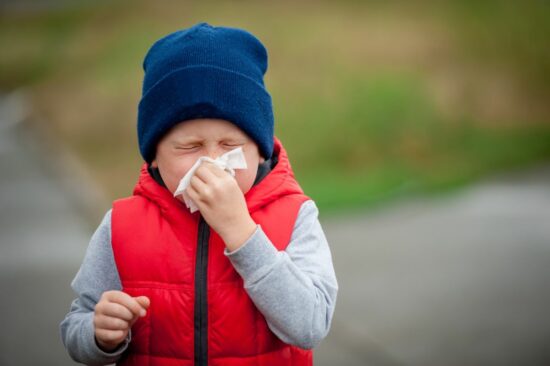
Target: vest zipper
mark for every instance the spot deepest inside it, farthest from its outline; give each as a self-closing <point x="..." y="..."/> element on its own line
<point x="201" y="306"/>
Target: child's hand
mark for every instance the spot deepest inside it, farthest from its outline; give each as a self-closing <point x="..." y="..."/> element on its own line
<point x="115" y="313"/>
<point x="222" y="204"/>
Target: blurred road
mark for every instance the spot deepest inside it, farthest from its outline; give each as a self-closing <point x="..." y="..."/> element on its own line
<point x="42" y="242"/>
<point x="458" y="280"/>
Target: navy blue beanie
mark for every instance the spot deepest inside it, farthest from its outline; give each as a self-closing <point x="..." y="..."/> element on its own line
<point x="205" y="72"/>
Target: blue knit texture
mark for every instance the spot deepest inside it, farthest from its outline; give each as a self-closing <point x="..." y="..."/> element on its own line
<point x="205" y="72"/>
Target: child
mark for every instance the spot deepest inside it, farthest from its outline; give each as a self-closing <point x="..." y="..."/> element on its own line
<point x="247" y="279"/>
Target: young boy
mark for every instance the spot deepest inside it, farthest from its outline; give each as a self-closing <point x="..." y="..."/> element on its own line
<point x="247" y="279"/>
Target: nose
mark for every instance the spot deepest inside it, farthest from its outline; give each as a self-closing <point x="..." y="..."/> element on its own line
<point x="213" y="151"/>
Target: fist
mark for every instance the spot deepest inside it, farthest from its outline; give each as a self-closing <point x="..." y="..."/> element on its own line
<point x="114" y="315"/>
<point x="222" y="204"/>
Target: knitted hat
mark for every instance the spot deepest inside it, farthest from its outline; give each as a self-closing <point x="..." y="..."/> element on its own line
<point x="205" y="72"/>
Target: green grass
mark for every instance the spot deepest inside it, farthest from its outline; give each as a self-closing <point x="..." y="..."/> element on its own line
<point x="383" y="139"/>
<point x="357" y="112"/>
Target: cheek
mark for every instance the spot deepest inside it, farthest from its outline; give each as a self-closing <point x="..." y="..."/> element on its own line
<point x="245" y="178"/>
<point x="172" y="171"/>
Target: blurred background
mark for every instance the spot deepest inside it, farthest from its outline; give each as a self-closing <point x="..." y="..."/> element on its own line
<point x="420" y="128"/>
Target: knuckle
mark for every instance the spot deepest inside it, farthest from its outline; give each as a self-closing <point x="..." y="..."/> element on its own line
<point x="218" y="186"/>
<point x="207" y="192"/>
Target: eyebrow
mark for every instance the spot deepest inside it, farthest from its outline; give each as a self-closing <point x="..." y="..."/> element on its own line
<point x="233" y="138"/>
<point x="196" y="139"/>
<point x="186" y="140"/>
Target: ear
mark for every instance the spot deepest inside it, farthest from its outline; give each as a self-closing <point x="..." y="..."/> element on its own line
<point x="154" y="164"/>
<point x="262" y="159"/>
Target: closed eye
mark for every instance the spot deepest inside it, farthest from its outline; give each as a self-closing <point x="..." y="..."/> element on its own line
<point x="232" y="144"/>
<point x="187" y="148"/>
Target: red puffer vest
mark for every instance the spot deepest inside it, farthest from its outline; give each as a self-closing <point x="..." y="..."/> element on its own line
<point x="200" y="313"/>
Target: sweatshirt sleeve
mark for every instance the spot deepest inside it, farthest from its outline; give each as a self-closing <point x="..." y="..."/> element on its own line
<point x="295" y="289"/>
<point x="96" y="275"/>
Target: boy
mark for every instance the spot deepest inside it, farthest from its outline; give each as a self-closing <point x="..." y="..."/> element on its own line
<point x="246" y="280"/>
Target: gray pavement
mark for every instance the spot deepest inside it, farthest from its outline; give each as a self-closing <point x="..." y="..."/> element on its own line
<point x="454" y="280"/>
<point x="43" y="237"/>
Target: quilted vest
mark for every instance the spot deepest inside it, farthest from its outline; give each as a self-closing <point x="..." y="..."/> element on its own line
<point x="200" y="313"/>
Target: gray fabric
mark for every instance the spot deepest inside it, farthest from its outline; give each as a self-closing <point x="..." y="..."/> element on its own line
<point x="96" y="275"/>
<point x="295" y="289"/>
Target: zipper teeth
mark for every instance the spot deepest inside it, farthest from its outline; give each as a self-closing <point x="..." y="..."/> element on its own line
<point x="201" y="295"/>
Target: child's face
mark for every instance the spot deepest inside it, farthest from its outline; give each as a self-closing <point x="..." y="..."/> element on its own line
<point x="180" y="148"/>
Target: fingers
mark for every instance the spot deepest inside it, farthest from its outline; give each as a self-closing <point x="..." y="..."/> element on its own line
<point x="216" y="170"/>
<point x="115" y="313"/>
<point x="110" y="337"/>
<point x="143" y="301"/>
<point x="194" y="195"/>
<point x="199" y="191"/>
<point x="197" y="184"/>
<point x="208" y="172"/>
<point x="125" y="300"/>
<point x="204" y="173"/>
<point x="111" y="323"/>
<point x="114" y="310"/>
<point x="208" y="179"/>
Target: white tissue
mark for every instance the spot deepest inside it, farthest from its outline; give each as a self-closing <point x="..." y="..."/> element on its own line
<point x="229" y="161"/>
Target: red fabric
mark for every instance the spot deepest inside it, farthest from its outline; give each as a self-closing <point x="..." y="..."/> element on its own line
<point x="154" y="239"/>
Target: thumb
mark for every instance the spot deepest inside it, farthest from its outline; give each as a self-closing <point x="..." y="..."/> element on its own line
<point x="143" y="301"/>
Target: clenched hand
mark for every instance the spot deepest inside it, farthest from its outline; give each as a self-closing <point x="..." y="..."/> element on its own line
<point x="114" y="315"/>
<point x="222" y="204"/>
